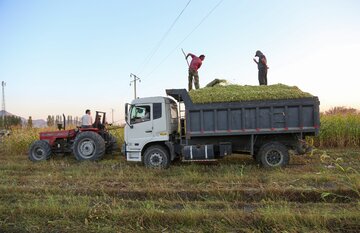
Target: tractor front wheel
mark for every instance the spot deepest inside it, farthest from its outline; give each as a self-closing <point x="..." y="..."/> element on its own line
<point x="88" y="146"/>
<point x="39" y="150"/>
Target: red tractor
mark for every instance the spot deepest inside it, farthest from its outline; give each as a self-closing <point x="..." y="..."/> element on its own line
<point x="85" y="143"/>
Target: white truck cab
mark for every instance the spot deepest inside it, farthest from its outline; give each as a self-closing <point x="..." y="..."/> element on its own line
<point x="150" y="125"/>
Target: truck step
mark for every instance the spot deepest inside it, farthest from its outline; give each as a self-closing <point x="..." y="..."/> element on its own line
<point x="199" y="160"/>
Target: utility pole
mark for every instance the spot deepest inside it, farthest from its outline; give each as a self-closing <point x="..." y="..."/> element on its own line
<point x="3" y="84"/>
<point x="112" y="116"/>
<point x="136" y="78"/>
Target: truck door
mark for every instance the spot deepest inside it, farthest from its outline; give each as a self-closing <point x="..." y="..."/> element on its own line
<point x="141" y="130"/>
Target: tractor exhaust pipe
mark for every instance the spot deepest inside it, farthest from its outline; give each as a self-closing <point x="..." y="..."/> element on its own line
<point x="62" y="126"/>
<point x="64" y="121"/>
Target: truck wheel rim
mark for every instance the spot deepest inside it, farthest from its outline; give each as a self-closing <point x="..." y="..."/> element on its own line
<point x="86" y="148"/>
<point x="156" y="159"/>
<point x="274" y="157"/>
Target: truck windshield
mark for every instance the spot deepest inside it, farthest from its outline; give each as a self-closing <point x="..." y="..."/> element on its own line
<point x="139" y="114"/>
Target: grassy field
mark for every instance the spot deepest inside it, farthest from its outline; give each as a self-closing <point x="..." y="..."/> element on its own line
<point x="318" y="192"/>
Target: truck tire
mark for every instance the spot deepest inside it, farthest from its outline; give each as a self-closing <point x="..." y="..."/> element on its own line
<point x="273" y="154"/>
<point x="88" y="146"/>
<point x="156" y="157"/>
<point x="39" y="150"/>
<point x="112" y="145"/>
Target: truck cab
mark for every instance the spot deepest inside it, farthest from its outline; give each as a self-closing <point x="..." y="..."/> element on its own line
<point x="151" y="126"/>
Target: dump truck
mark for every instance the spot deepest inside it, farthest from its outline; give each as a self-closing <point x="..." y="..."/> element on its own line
<point x="159" y="130"/>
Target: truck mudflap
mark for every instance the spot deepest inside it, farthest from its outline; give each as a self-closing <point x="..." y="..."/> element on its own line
<point x="198" y="153"/>
<point x="302" y="147"/>
<point x="171" y="148"/>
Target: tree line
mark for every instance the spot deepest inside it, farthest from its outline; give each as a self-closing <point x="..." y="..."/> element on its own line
<point x="58" y="119"/>
<point x="11" y="121"/>
<point x="8" y="121"/>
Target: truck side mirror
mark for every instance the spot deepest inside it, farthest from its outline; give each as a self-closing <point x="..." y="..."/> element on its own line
<point x="126" y="116"/>
<point x="126" y="112"/>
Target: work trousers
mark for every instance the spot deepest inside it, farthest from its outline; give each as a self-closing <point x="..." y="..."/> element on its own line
<point x="263" y="77"/>
<point x="193" y="74"/>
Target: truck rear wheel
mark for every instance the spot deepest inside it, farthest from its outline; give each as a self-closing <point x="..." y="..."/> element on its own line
<point x="156" y="157"/>
<point x="39" y="150"/>
<point x="273" y="154"/>
<point x="88" y="146"/>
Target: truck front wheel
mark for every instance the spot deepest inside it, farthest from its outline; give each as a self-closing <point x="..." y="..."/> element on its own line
<point x="156" y="157"/>
<point x="273" y="154"/>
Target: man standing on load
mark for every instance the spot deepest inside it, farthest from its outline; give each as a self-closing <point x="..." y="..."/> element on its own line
<point x="262" y="67"/>
<point x="195" y="64"/>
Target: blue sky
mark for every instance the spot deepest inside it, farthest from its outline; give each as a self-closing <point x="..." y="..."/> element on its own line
<point x="66" y="56"/>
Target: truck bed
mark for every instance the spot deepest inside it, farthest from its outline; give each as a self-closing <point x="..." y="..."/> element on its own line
<point x="249" y="117"/>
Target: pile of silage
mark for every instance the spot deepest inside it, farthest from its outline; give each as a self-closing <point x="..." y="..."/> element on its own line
<point x="234" y="93"/>
<point x="218" y="82"/>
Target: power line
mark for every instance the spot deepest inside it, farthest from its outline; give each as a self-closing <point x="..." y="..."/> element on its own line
<point x="156" y="48"/>
<point x="197" y="26"/>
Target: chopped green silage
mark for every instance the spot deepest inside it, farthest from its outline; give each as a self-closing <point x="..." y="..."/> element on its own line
<point x="235" y="93"/>
<point x="217" y="82"/>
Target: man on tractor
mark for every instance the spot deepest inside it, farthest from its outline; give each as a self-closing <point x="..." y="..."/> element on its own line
<point x="86" y="120"/>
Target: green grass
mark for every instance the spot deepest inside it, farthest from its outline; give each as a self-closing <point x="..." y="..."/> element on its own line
<point x="234" y="93"/>
<point x="112" y="195"/>
<point x="319" y="192"/>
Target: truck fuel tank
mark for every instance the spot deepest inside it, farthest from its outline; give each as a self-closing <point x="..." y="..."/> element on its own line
<point x="198" y="152"/>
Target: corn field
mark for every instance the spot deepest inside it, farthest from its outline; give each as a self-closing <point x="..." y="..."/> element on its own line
<point x="339" y="130"/>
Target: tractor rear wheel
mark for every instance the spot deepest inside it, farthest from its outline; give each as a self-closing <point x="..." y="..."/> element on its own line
<point x="88" y="146"/>
<point x="39" y="150"/>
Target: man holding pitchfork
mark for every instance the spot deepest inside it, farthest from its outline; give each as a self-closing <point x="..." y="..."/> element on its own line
<point x="195" y="64"/>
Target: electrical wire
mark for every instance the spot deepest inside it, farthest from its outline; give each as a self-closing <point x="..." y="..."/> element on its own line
<point x="197" y="26"/>
<point x="156" y="48"/>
